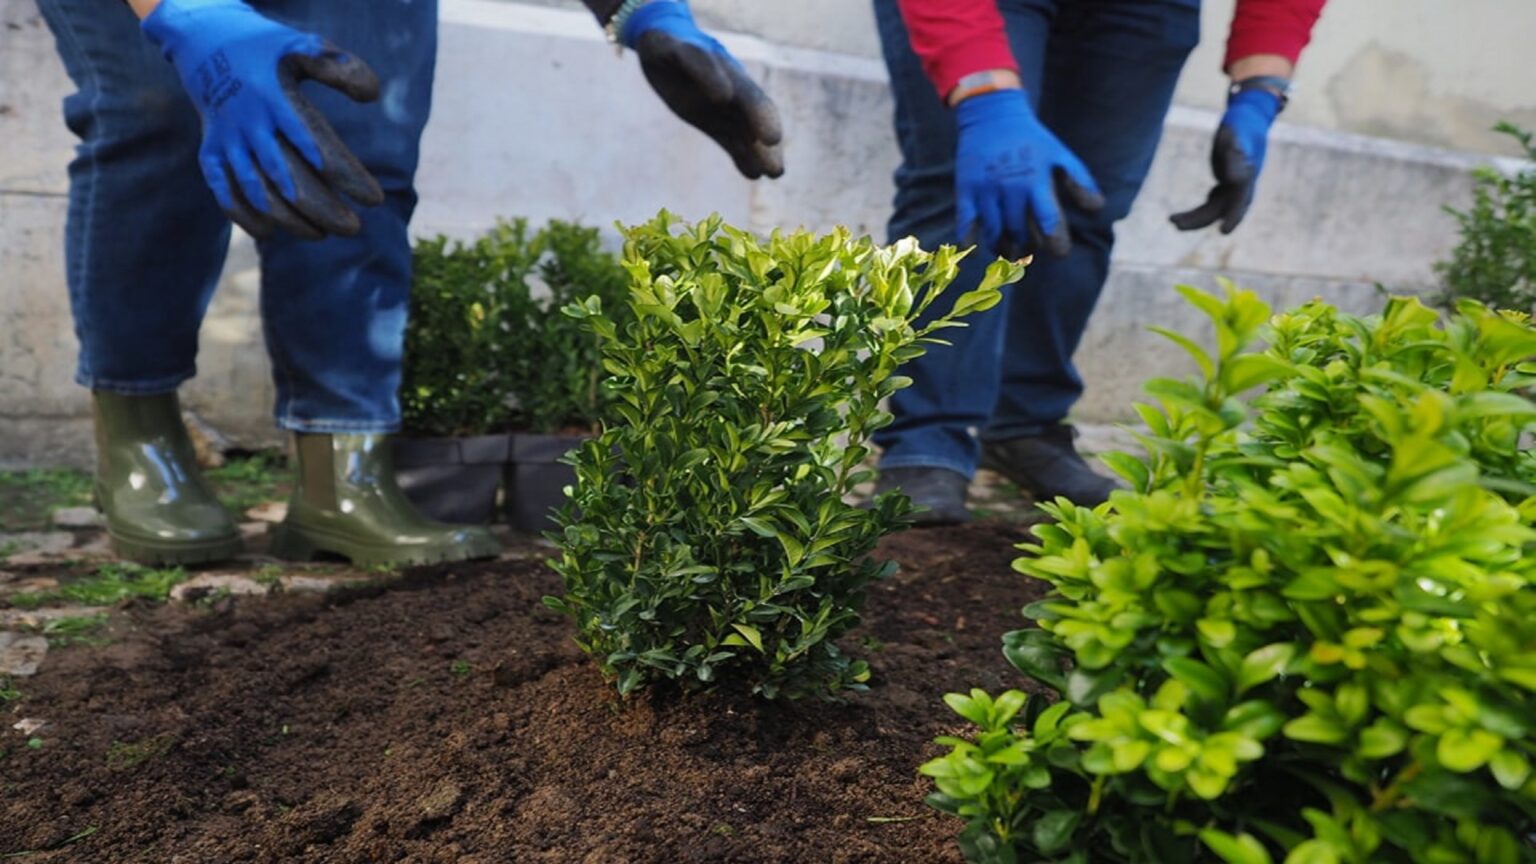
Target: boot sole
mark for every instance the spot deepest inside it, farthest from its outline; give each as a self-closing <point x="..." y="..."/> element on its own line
<point x="161" y="554"/>
<point x="297" y="544"/>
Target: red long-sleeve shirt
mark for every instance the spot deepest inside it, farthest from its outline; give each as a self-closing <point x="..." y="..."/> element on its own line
<point x="957" y="37"/>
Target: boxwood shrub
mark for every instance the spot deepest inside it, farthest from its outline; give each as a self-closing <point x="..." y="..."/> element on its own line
<point x="708" y="537"/>
<point x="1308" y="631"/>
<point x="487" y="348"/>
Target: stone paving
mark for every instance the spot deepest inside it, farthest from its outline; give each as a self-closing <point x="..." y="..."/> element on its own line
<point x="36" y="564"/>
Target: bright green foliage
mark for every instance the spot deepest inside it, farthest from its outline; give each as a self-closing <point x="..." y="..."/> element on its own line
<point x="28" y="498"/>
<point x="708" y="537"/>
<point x="244" y="482"/>
<point x="110" y="584"/>
<point x="1495" y="262"/>
<point x="1307" y="637"/>
<point x="487" y="350"/>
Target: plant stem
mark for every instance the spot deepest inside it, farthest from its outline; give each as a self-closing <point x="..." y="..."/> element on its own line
<point x="1389" y="796"/>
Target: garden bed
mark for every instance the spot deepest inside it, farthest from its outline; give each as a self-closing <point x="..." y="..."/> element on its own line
<point x="447" y="716"/>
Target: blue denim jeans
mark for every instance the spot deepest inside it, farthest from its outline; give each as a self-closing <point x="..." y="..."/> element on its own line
<point x="146" y="241"/>
<point x="1101" y="74"/>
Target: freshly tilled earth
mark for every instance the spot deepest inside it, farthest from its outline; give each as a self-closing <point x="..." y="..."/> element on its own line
<point x="448" y="717"/>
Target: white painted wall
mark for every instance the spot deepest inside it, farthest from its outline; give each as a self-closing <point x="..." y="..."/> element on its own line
<point x="536" y="116"/>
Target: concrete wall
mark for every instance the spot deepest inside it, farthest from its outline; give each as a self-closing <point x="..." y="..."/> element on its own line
<point x="1425" y="71"/>
<point x="1337" y="213"/>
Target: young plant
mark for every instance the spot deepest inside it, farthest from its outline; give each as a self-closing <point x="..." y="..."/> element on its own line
<point x="1308" y="632"/>
<point x="707" y="536"/>
<point x="1495" y="262"/>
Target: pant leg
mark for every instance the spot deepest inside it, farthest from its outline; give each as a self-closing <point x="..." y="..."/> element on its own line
<point x="954" y="387"/>
<point x="334" y="311"/>
<point x="1109" y="80"/>
<point x="145" y="239"/>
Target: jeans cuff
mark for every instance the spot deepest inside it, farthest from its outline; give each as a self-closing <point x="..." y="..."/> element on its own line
<point x="153" y="387"/>
<point x="967" y="471"/>
<point x="339" y="427"/>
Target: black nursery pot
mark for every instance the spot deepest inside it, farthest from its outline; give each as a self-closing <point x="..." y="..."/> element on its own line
<point x="536" y="479"/>
<point x="452" y="479"/>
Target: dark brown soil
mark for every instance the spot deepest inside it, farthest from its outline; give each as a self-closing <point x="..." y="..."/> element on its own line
<point x="447" y="717"/>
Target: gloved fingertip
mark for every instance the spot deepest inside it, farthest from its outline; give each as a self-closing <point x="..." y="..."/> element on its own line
<point x="965" y="230"/>
<point x="1011" y="249"/>
<point x="258" y="230"/>
<point x="1214" y="207"/>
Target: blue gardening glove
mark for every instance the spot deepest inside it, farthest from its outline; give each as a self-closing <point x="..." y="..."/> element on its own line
<point x="1237" y="157"/>
<point x="1011" y="175"/>
<point x="270" y="157"/>
<point x="703" y="84"/>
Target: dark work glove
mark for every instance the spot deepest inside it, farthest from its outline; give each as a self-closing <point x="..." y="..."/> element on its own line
<point x="1011" y="175"/>
<point x="270" y="157"/>
<point x="703" y="84"/>
<point x="1237" y="157"/>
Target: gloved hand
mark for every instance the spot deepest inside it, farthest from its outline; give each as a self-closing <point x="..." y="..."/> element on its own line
<point x="1237" y="156"/>
<point x="271" y="158"/>
<point x="703" y="84"/>
<point x="1011" y="174"/>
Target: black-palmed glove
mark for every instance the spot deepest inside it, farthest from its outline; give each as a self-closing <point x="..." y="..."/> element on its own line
<point x="1237" y="157"/>
<point x="703" y="84"/>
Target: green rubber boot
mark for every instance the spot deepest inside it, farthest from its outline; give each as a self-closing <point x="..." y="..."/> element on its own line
<point x="346" y="503"/>
<point x="159" y="508"/>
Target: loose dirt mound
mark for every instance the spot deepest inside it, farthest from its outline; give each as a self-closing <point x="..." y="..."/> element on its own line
<point x="447" y="717"/>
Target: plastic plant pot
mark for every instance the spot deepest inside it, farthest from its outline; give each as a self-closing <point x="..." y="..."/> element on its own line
<point x="536" y="479"/>
<point x="452" y="479"/>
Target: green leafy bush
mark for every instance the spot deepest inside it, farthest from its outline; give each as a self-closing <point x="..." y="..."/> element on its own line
<point x="707" y="536"/>
<point x="1307" y="633"/>
<point x="560" y="370"/>
<point x="457" y="350"/>
<point x="487" y="348"/>
<point x="1495" y="262"/>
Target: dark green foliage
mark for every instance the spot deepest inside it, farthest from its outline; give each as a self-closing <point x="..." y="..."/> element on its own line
<point x="708" y="537"/>
<point x="1308" y="633"/>
<point x="561" y="359"/>
<point x="457" y="345"/>
<point x="487" y="349"/>
<point x="1495" y="262"/>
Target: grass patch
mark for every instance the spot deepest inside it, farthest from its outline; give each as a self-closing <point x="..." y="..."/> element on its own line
<point x="122" y="756"/>
<point x="108" y="585"/>
<point x="246" y="481"/>
<point x="8" y="691"/>
<point x="28" y="498"/>
<point x="76" y="630"/>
